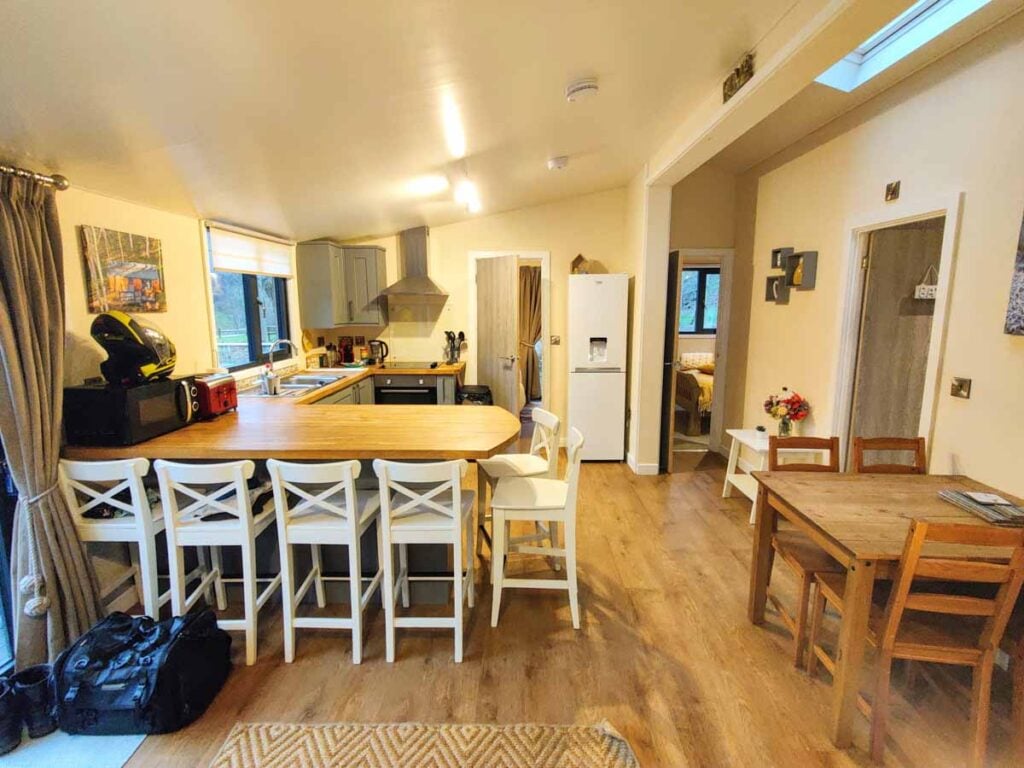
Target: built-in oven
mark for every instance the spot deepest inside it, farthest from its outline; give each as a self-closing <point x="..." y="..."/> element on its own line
<point x="404" y="389"/>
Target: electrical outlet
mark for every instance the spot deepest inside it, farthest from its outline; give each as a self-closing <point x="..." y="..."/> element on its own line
<point x="929" y="292"/>
<point x="556" y="340"/>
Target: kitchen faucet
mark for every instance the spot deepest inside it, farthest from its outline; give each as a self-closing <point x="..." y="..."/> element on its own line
<point x="280" y="343"/>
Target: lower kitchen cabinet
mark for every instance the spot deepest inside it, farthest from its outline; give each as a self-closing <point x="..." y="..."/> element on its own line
<point x="346" y="396"/>
<point x="364" y="392"/>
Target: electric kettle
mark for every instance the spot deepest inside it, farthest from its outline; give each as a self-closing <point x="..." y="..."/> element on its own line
<point x="379" y="350"/>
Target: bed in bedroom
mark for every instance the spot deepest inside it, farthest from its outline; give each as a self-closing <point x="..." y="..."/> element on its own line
<point x="695" y="382"/>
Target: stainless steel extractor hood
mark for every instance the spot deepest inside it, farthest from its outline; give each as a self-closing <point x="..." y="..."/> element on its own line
<point x="414" y="284"/>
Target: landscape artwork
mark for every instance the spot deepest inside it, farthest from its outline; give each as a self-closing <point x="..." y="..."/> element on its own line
<point x="1015" y="312"/>
<point x="122" y="271"/>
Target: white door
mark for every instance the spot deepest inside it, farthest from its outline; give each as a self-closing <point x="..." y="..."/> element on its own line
<point x="497" y="329"/>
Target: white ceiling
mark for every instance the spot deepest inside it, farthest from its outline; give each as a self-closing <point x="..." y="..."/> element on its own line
<point x="309" y="118"/>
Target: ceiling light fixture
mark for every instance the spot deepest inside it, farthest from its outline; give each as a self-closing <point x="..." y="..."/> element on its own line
<point x="468" y="195"/>
<point x="558" y="163"/>
<point x="454" y="134"/>
<point x="427" y="186"/>
<point x="580" y="89"/>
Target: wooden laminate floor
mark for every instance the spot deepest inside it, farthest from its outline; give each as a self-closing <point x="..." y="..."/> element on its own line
<point x="666" y="654"/>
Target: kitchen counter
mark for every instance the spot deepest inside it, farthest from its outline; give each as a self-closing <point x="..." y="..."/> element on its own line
<point x="264" y="428"/>
<point x="457" y="370"/>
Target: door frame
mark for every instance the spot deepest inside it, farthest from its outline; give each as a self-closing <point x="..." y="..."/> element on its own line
<point x="850" y="306"/>
<point x="726" y="257"/>
<point x="545" y="314"/>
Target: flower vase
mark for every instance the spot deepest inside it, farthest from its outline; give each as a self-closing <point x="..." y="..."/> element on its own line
<point x="785" y="427"/>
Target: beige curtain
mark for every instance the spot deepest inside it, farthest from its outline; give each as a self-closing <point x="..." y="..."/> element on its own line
<point x="55" y="594"/>
<point x="529" y="330"/>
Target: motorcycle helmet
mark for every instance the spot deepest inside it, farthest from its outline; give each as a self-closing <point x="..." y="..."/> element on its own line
<point x="137" y="351"/>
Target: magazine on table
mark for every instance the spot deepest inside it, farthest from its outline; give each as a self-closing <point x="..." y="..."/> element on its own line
<point x="990" y="507"/>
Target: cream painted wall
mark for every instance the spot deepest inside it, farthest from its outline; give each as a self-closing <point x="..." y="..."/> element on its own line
<point x="703" y="205"/>
<point x="590" y="224"/>
<point x="186" y="321"/>
<point x="955" y="127"/>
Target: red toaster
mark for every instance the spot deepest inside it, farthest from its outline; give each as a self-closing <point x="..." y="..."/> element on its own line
<point x="217" y="394"/>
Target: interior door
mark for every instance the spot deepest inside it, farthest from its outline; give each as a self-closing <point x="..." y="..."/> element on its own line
<point x="497" y="329"/>
<point x="668" y="368"/>
<point x="895" y="331"/>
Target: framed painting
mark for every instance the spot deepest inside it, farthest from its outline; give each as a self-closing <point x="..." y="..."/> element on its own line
<point x="1015" y="311"/>
<point x="122" y="271"/>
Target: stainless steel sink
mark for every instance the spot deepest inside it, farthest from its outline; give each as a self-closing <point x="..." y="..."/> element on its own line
<point x="300" y="383"/>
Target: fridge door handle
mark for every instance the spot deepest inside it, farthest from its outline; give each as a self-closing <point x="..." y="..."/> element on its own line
<point x="598" y="369"/>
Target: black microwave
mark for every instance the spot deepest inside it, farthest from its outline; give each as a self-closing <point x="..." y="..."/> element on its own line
<point x="101" y="414"/>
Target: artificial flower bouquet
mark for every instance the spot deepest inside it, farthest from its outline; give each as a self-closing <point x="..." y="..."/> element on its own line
<point x="787" y="407"/>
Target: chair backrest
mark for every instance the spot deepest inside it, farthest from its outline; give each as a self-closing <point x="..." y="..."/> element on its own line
<point x="545" y="438"/>
<point x="193" y="492"/>
<point x="940" y="569"/>
<point x="913" y="445"/>
<point x="319" y="489"/>
<point x="434" y="487"/>
<point x="776" y="444"/>
<point x="574" y="453"/>
<point x="90" y="484"/>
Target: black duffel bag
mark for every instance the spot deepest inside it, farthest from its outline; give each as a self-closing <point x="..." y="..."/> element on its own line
<point x="130" y="674"/>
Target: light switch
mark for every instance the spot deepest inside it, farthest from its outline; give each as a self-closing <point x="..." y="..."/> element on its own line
<point x="961" y="388"/>
<point x="556" y="340"/>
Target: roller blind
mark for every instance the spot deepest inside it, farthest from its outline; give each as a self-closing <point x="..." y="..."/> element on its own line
<point x="236" y="252"/>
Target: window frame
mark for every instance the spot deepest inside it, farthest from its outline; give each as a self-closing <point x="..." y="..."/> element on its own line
<point x="702" y="278"/>
<point x="250" y="291"/>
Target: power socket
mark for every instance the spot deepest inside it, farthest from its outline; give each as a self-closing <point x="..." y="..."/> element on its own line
<point x="928" y="292"/>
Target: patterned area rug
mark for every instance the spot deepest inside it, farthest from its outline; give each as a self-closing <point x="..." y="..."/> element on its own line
<point x="415" y="745"/>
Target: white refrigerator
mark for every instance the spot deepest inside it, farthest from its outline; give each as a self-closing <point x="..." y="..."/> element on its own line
<point x="598" y="310"/>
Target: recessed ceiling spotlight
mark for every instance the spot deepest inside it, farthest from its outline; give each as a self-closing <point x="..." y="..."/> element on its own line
<point x="426" y="186"/>
<point x="558" y="163"/>
<point x="581" y="89"/>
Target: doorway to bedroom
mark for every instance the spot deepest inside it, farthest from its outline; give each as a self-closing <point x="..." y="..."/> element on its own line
<point x="696" y="339"/>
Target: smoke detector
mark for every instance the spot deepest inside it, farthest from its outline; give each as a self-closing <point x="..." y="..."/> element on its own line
<point x="581" y="89"/>
<point x="558" y="163"/>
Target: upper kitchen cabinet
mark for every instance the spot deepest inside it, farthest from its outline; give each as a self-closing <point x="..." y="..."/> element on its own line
<point x="340" y="285"/>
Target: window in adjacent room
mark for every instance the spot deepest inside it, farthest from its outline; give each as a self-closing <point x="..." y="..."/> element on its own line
<point x="249" y="284"/>
<point x="698" y="301"/>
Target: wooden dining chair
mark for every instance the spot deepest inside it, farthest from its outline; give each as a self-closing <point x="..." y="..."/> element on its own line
<point x="912" y="625"/>
<point x="913" y="445"/>
<point x="796" y="549"/>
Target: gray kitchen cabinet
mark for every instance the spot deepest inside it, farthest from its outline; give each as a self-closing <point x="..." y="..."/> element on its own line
<point x="364" y="392"/>
<point x="346" y="396"/>
<point x="339" y="285"/>
<point x="446" y="390"/>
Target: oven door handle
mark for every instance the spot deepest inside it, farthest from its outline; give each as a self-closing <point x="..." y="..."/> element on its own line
<point x="186" y="413"/>
<point x="409" y="391"/>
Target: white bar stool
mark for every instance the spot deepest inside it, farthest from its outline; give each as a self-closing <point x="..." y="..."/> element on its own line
<point x="436" y="511"/>
<point x="318" y="504"/>
<point x="217" y="512"/>
<point x="542" y="460"/>
<point x="89" y="485"/>
<point x="531" y="499"/>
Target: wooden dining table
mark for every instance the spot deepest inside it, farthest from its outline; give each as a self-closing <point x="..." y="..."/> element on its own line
<point x="862" y="521"/>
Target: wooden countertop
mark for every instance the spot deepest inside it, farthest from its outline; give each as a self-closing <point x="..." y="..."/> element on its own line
<point x="298" y="428"/>
<point x="457" y="370"/>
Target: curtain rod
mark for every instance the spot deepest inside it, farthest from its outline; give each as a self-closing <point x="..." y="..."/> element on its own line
<point x="57" y="181"/>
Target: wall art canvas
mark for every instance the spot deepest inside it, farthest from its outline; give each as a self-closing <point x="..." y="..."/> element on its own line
<point x="122" y="271"/>
<point x="1015" y="312"/>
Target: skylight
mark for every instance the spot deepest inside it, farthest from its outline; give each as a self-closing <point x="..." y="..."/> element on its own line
<point x="919" y="24"/>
